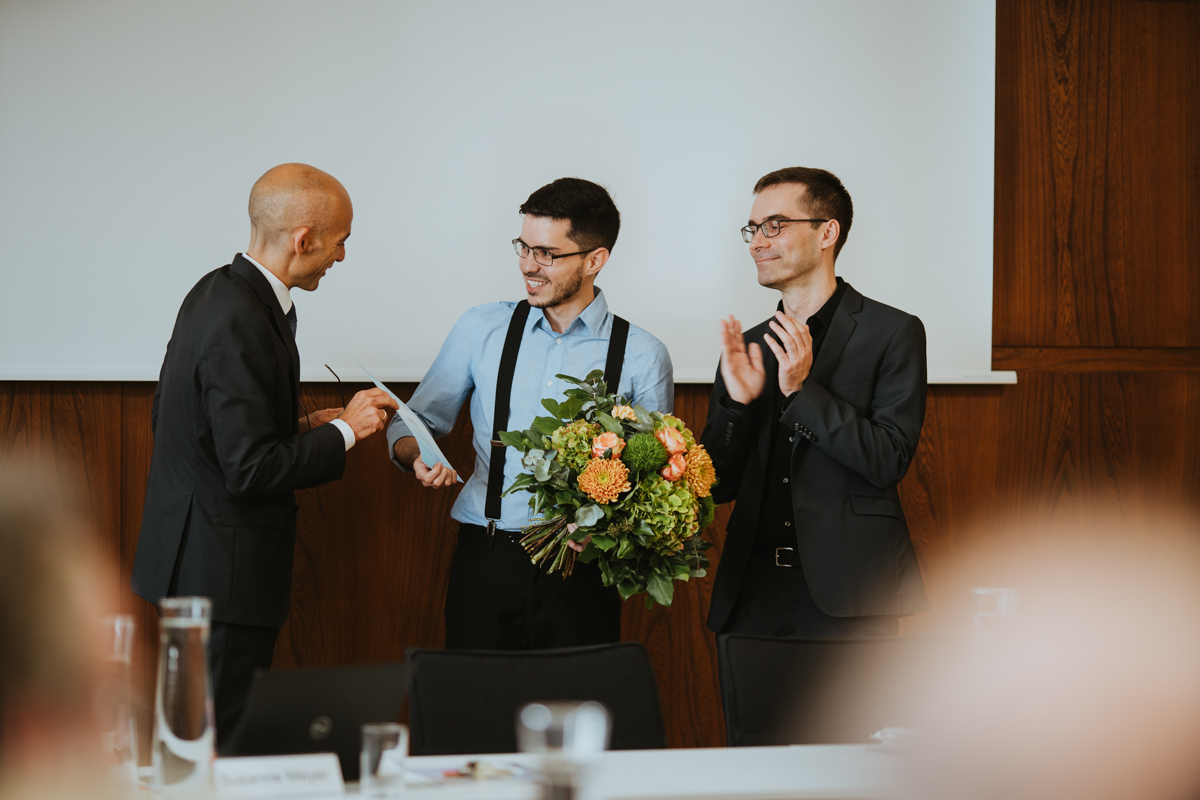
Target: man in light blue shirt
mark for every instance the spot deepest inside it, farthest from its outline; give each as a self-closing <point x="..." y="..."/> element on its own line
<point x="497" y="599"/>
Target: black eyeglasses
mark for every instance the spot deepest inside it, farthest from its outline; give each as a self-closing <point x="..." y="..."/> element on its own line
<point x="770" y="228"/>
<point x="541" y="255"/>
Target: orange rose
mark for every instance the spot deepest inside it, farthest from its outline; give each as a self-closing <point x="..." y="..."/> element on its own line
<point x="607" y="441"/>
<point x="672" y="440"/>
<point x="675" y="468"/>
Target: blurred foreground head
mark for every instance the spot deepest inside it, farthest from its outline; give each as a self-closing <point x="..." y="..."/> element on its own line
<point x="49" y="638"/>
<point x="1091" y="690"/>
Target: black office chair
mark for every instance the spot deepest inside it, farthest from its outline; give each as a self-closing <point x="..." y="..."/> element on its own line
<point x="466" y="701"/>
<point x="779" y="691"/>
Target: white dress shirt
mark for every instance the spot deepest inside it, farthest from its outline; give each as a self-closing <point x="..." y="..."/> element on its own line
<point x="284" y="296"/>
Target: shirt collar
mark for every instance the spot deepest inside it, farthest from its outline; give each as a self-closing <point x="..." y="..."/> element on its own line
<point x="592" y="317"/>
<point x="281" y="292"/>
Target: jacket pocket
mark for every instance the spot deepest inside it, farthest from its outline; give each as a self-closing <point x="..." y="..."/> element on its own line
<point x="243" y="514"/>
<point x="877" y="506"/>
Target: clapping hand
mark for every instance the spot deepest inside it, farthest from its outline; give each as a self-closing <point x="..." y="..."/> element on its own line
<point x="793" y="350"/>
<point x="741" y="367"/>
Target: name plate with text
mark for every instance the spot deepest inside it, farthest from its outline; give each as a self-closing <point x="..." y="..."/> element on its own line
<point x="278" y="776"/>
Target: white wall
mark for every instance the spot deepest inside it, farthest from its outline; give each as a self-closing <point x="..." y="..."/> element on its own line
<point x="131" y="132"/>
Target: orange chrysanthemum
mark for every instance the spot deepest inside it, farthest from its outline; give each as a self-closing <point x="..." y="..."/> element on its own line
<point x="700" y="473"/>
<point x="604" y="479"/>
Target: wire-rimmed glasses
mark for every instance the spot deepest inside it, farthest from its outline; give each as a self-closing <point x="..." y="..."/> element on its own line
<point x="770" y="227"/>
<point x="541" y="255"/>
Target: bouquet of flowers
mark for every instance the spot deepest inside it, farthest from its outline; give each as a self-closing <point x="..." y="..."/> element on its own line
<point x="632" y="483"/>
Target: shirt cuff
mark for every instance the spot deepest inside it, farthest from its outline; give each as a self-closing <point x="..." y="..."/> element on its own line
<point x="347" y="431"/>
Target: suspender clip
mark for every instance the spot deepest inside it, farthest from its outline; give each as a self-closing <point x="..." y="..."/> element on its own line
<point x="491" y="527"/>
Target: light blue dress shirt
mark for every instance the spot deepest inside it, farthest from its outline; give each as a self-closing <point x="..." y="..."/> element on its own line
<point x="470" y="358"/>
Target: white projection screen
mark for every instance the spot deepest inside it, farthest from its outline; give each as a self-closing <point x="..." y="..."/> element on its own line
<point x="131" y="132"/>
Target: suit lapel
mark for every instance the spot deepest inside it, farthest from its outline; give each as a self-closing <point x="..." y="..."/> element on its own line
<point x="839" y="333"/>
<point x="266" y="294"/>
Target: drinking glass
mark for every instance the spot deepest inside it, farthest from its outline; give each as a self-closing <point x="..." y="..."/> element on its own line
<point x="183" y="748"/>
<point x="571" y="738"/>
<point x="384" y="747"/>
<point x="994" y="607"/>
<point x="114" y="706"/>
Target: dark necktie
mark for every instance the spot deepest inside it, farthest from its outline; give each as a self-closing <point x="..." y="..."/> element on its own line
<point x="290" y="316"/>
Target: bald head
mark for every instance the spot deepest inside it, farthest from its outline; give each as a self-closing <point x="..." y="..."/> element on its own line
<point x="299" y="221"/>
<point x="293" y="196"/>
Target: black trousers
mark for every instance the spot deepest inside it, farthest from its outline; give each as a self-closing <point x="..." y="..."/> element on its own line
<point x="234" y="653"/>
<point x="775" y="601"/>
<point x="498" y="600"/>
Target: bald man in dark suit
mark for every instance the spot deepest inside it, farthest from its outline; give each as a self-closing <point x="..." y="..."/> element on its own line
<point x="229" y="451"/>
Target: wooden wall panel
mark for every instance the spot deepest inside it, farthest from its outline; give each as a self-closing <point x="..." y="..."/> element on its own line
<point x="1076" y="446"/>
<point x="1097" y="244"/>
<point x="1097" y="174"/>
<point x="73" y="430"/>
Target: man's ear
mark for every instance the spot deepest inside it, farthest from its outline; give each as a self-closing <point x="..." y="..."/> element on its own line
<point x="830" y="235"/>
<point x="596" y="261"/>
<point x="302" y="240"/>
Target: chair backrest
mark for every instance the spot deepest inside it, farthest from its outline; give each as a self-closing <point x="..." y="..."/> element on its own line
<point x="466" y="701"/>
<point x="779" y="691"/>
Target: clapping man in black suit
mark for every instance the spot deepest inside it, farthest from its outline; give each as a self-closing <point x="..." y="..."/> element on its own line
<point x="814" y="418"/>
<point x="220" y="514"/>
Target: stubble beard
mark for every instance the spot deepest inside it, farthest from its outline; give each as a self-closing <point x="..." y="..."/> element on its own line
<point x="562" y="291"/>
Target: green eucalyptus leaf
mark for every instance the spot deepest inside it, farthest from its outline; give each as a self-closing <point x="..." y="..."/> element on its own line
<point x="553" y="407"/>
<point x="588" y="515"/>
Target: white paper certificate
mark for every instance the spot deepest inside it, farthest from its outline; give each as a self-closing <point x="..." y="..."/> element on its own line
<point x="431" y="454"/>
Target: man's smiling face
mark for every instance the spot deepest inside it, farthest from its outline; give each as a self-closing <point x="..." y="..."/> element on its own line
<point x="796" y="251"/>
<point x="546" y="287"/>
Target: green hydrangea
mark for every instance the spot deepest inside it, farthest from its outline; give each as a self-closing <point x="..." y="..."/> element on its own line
<point x="574" y="443"/>
<point x="669" y="509"/>
<point x="644" y="454"/>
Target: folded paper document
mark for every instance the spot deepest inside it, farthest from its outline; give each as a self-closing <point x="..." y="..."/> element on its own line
<point x="430" y="453"/>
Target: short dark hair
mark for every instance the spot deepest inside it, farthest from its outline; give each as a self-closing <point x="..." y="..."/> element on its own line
<point x="595" y="221"/>
<point x="824" y="195"/>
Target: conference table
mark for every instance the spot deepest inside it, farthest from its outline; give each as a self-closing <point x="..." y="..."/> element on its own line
<point x="745" y="773"/>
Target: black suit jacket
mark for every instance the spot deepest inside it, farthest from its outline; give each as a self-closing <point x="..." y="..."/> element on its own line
<point x="220" y="511"/>
<point x="857" y="421"/>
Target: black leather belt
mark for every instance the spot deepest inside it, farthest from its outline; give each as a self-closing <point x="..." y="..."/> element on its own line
<point x="509" y="536"/>
<point x="779" y="555"/>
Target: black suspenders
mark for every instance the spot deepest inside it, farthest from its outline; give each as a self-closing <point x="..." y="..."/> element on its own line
<point x="504" y="380"/>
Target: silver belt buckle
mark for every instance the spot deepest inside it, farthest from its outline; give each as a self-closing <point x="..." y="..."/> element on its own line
<point x="779" y="550"/>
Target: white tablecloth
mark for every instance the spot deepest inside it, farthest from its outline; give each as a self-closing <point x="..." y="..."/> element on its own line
<point x="744" y="773"/>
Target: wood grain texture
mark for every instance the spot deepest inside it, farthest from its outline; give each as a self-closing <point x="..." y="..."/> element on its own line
<point x="1097" y="359"/>
<point x="1097" y="232"/>
<point x="1073" y="446"/>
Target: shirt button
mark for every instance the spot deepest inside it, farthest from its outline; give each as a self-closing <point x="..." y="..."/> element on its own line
<point x="558" y="341"/>
<point x="785" y="480"/>
<point x="787" y="524"/>
<point x="549" y="383"/>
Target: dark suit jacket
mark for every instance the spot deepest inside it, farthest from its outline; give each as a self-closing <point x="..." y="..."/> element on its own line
<point x="228" y="454"/>
<point x="857" y="422"/>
